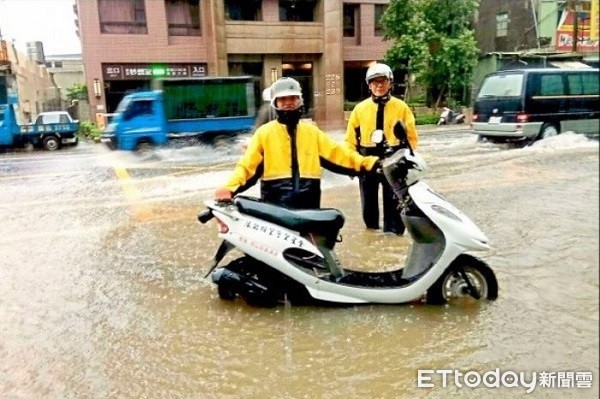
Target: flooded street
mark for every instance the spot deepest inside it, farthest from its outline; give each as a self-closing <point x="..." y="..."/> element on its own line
<point x="102" y="291"/>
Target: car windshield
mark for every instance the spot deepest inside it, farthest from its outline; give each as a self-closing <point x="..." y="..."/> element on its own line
<point x="123" y="105"/>
<point x="502" y="86"/>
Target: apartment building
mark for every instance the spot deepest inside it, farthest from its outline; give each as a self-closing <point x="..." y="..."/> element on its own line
<point x="326" y="45"/>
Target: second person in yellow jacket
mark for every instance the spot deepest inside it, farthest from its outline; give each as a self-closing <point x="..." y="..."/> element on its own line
<point x="379" y="112"/>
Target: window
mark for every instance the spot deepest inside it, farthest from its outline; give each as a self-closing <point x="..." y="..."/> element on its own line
<point x="583" y="83"/>
<point x="52" y="117"/>
<point x="122" y="16"/>
<point x="297" y="10"/>
<point x="139" y="107"/>
<point x="183" y="17"/>
<point x="552" y="85"/>
<point x="379" y="10"/>
<point x="58" y="64"/>
<point x="243" y="10"/>
<point x="501" y="24"/>
<point x="350" y="18"/>
<point x="502" y="86"/>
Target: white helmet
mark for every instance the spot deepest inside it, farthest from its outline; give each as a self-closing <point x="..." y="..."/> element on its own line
<point x="378" y="70"/>
<point x="266" y="94"/>
<point x="284" y="87"/>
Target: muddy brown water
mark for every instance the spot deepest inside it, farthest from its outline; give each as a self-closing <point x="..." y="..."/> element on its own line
<point x="106" y="299"/>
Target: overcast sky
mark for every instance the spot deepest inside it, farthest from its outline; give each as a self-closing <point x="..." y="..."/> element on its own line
<point x="48" y="21"/>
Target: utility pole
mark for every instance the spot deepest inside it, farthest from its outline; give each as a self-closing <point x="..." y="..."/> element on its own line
<point x="573" y="6"/>
<point x="535" y="23"/>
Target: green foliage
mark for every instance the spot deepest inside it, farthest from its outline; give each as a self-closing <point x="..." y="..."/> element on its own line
<point x="426" y="119"/>
<point x="77" y="92"/>
<point x="434" y="42"/>
<point x="349" y="105"/>
<point x="89" y="130"/>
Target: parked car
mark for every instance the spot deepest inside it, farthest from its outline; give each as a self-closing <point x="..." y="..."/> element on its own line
<point x="533" y="104"/>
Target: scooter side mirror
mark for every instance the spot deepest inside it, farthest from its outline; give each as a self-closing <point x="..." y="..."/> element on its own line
<point x="402" y="135"/>
<point x="377" y="136"/>
<point x="400" y="131"/>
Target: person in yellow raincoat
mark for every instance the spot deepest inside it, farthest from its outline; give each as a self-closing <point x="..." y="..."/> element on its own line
<point x="287" y="155"/>
<point x="382" y="112"/>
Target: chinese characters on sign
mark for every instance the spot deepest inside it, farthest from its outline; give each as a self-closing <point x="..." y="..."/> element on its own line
<point x="145" y="71"/>
<point x="333" y="84"/>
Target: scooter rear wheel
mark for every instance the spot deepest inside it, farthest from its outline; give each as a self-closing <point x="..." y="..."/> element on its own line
<point x="451" y="286"/>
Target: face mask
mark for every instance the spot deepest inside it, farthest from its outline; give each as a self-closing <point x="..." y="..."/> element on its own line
<point x="289" y="118"/>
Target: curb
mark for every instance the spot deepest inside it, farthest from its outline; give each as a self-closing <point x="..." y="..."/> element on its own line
<point x="421" y="129"/>
<point x="442" y="128"/>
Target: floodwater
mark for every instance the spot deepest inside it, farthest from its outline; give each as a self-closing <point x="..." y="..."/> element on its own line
<point x="102" y="292"/>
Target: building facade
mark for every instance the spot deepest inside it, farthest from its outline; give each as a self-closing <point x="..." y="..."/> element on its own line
<point x="31" y="81"/>
<point x="550" y="25"/>
<point x="326" y="45"/>
<point x="67" y="70"/>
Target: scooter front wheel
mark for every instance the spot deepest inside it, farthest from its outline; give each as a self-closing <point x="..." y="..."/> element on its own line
<point x="467" y="279"/>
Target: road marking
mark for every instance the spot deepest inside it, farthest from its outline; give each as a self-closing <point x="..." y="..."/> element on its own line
<point x="141" y="210"/>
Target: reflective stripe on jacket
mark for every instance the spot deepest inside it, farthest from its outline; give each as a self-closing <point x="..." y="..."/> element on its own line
<point x="364" y="116"/>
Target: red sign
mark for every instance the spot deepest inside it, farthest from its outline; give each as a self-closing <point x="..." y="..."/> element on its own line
<point x="565" y="31"/>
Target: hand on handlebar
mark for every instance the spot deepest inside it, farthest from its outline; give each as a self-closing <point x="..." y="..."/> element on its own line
<point x="223" y="195"/>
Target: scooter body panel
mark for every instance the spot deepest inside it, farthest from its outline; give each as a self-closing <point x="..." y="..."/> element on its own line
<point x="459" y="230"/>
<point x="440" y="232"/>
<point x="267" y="242"/>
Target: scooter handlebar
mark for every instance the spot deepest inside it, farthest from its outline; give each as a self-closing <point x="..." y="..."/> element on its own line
<point x="205" y="216"/>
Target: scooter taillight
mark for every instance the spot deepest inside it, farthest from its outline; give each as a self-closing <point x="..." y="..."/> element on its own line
<point x="223" y="228"/>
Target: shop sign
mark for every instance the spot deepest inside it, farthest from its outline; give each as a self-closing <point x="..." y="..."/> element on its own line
<point x="148" y="71"/>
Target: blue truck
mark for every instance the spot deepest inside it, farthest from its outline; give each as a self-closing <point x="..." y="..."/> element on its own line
<point x="51" y="130"/>
<point x="199" y="109"/>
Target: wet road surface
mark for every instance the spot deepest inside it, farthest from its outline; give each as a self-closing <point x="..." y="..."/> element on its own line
<point x="101" y="265"/>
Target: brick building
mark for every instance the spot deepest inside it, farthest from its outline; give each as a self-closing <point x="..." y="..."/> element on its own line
<point x="326" y="45"/>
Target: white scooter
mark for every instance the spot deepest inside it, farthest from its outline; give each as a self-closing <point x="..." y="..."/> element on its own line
<point x="289" y="254"/>
<point x="449" y="117"/>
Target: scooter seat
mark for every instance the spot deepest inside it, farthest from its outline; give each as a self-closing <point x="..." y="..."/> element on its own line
<point x="324" y="221"/>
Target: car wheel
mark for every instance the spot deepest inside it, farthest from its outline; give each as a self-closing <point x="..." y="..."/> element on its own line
<point x="547" y="130"/>
<point x="144" y="148"/>
<point x="28" y="147"/>
<point x="51" y="143"/>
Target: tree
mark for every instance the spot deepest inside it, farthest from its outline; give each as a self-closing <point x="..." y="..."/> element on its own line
<point x="434" y="42"/>
<point x="77" y="92"/>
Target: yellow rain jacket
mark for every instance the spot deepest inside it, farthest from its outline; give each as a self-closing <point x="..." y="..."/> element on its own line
<point x="291" y="174"/>
<point x="362" y="123"/>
